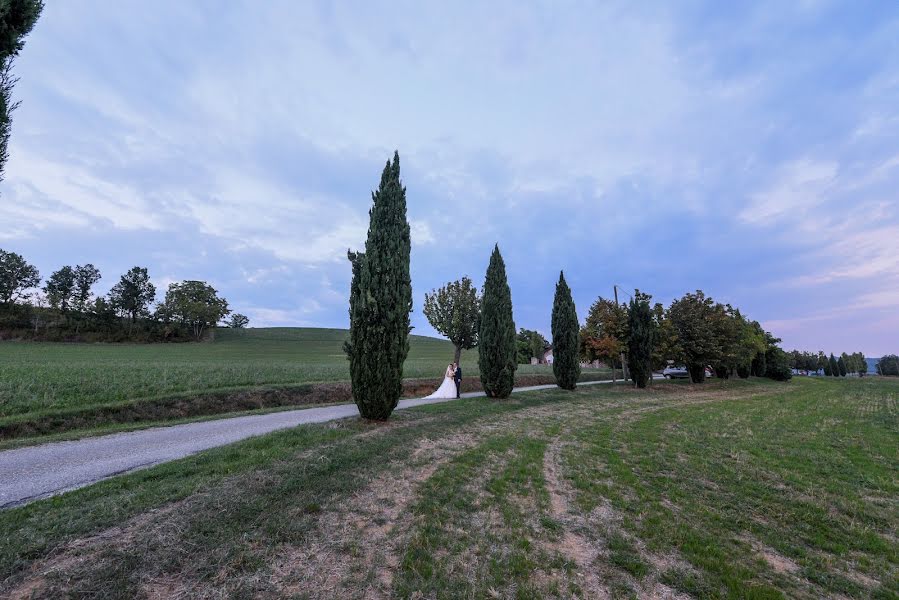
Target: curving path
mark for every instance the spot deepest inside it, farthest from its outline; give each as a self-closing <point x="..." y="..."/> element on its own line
<point x="33" y="472"/>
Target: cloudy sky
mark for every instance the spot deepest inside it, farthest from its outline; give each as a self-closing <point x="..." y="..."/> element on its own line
<point x="747" y="149"/>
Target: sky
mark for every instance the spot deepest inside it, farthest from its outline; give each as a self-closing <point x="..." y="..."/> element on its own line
<point x="748" y="149"/>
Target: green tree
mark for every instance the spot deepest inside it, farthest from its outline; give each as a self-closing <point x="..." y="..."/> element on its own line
<point x="132" y="295"/>
<point x="497" y="351"/>
<point x="453" y="311"/>
<point x="16" y="278"/>
<point x="693" y="318"/>
<point x="60" y="289"/>
<point x="825" y="364"/>
<point x="834" y="367"/>
<point x="778" y="365"/>
<point x="238" y="321"/>
<point x="641" y="338"/>
<point x="666" y="347"/>
<point x="195" y="305"/>
<point x="841" y="366"/>
<point x="381" y="300"/>
<point x="17" y="18"/>
<point x="604" y="333"/>
<point x="565" y="327"/>
<point x="530" y="344"/>
<point x="752" y="345"/>
<point x="862" y="365"/>
<point x="888" y="365"/>
<point x="727" y="327"/>
<point x="85" y="277"/>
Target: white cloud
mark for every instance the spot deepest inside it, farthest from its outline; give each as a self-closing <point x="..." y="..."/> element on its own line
<point x="421" y="233"/>
<point x="800" y="187"/>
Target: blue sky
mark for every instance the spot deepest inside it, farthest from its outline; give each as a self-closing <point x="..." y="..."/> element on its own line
<point x="747" y="149"/>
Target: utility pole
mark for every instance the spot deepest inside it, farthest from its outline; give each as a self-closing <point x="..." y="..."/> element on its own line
<point x="621" y="355"/>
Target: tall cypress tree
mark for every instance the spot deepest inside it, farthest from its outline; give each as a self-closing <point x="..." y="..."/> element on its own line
<point x="640" y="339"/>
<point x="381" y="300"/>
<point x="17" y="18"/>
<point x="497" y="353"/>
<point x="841" y="365"/>
<point x="834" y="367"/>
<point x="565" y="330"/>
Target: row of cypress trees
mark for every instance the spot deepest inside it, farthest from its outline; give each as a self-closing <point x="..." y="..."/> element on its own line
<point x="381" y="300"/>
<point x="497" y="352"/>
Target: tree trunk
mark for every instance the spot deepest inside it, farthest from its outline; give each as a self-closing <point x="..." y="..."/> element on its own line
<point x="457" y="356"/>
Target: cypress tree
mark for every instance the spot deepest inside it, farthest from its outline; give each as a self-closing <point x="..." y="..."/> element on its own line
<point x="825" y="364"/>
<point x="497" y="352"/>
<point x="640" y="339"/>
<point x="834" y="367"/>
<point x="841" y="365"/>
<point x="381" y="300"/>
<point x="565" y="330"/>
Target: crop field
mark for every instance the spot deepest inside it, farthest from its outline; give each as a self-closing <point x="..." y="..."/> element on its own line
<point x="77" y="385"/>
<point x="730" y="489"/>
<point x="35" y="376"/>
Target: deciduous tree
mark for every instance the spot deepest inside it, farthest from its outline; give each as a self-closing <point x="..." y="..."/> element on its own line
<point x="60" y="289"/>
<point x="132" y="295"/>
<point x="196" y="305"/>
<point x="16" y="278"/>
<point x="693" y="318"/>
<point x="604" y="333"/>
<point x="238" y="321"/>
<point x="530" y="344"/>
<point x="453" y="311"/>
<point x="85" y="277"/>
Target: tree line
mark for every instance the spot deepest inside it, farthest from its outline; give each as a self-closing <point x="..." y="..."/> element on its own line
<point x="832" y="366"/>
<point x="694" y="331"/>
<point x="66" y="307"/>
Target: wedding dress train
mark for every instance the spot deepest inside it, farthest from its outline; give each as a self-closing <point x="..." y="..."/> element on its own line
<point x="447" y="389"/>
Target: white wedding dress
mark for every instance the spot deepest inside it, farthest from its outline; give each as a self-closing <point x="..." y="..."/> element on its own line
<point x="447" y="389"/>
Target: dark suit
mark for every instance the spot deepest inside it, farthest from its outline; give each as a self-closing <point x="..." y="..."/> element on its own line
<point x="458" y="378"/>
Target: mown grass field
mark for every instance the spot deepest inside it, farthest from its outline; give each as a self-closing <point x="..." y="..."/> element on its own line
<point x="739" y="489"/>
<point x="55" y="387"/>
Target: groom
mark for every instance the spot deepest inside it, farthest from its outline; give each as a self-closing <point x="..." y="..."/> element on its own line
<point x="458" y="377"/>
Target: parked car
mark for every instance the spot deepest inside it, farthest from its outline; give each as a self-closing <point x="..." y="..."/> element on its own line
<point x="683" y="373"/>
<point x="676" y="373"/>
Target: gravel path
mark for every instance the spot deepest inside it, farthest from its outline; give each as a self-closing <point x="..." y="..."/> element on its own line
<point x="34" y="472"/>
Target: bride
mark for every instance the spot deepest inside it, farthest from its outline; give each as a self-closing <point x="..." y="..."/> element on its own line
<point x="447" y="389"/>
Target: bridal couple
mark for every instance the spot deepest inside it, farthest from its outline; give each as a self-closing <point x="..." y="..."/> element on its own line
<point x="452" y="382"/>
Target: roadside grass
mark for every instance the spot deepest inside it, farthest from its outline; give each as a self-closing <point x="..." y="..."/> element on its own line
<point x="726" y="490"/>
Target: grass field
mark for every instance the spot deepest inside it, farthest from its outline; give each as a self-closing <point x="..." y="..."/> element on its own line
<point x="40" y="376"/>
<point x="67" y="386"/>
<point x="740" y="489"/>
